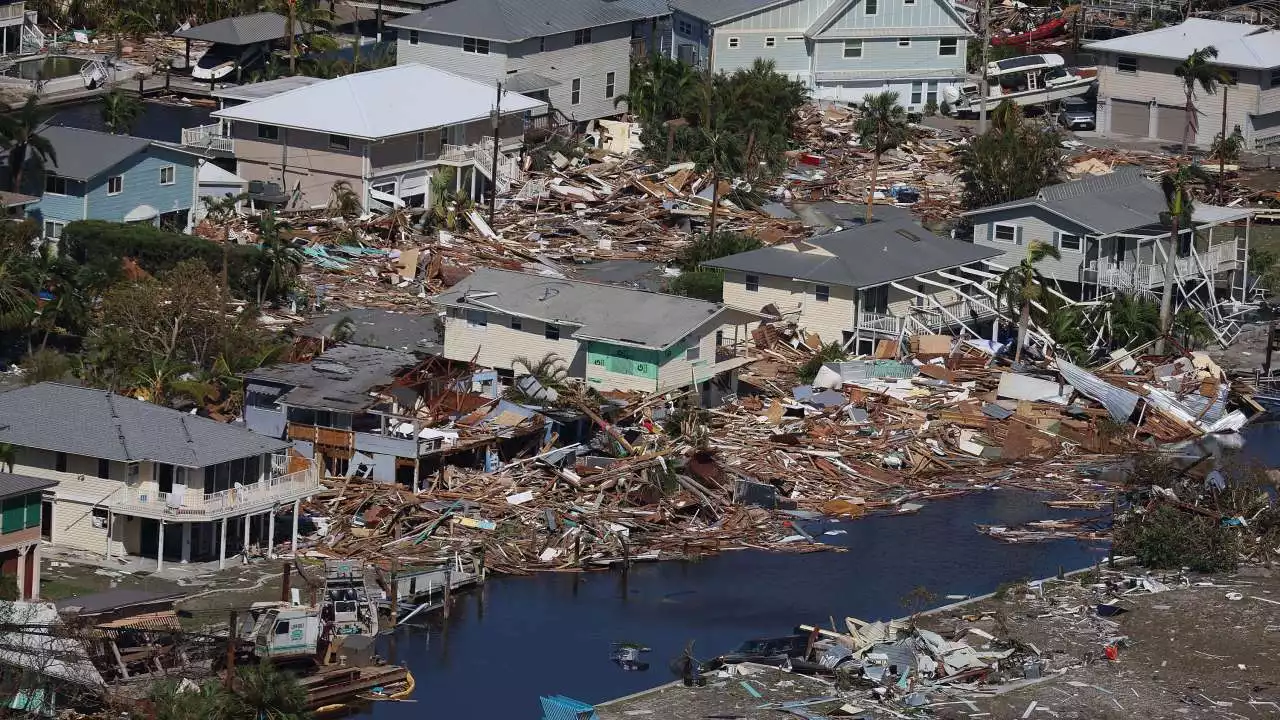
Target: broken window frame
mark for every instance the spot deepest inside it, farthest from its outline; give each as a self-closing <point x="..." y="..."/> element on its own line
<point x="752" y="282"/>
<point x="475" y="46"/>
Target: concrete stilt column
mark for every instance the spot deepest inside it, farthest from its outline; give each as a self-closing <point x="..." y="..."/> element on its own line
<point x="160" y="549"/>
<point x="22" y="572"/>
<point x="186" y="543"/>
<point x="222" y="546"/>
<point x="293" y="542"/>
<point x="271" y="533"/>
<point x="35" y="572"/>
<point x="244" y="549"/>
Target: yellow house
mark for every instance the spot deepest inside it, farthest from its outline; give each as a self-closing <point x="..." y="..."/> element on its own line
<point x="610" y="337"/>
<point x="874" y="281"/>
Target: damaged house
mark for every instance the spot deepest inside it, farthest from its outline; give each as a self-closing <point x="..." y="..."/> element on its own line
<point x="610" y="337"/>
<point x="133" y="478"/>
<point x="872" y="282"/>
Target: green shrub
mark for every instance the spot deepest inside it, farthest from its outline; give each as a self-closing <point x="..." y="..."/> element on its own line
<point x="1168" y="538"/>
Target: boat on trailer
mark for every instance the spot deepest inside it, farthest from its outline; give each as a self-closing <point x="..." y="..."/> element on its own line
<point x="1024" y="80"/>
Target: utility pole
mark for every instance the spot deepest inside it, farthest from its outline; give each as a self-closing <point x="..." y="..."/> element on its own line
<point x="983" y="90"/>
<point x="232" y="640"/>
<point x="293" y="39"/>
<point x="1222" y="162"/>
<point x="493" y="172"/>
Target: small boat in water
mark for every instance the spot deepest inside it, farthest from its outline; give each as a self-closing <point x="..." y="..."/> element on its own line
<point x="1024" y="80"/>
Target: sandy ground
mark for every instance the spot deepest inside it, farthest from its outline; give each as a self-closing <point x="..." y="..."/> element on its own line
<point x="1188" y="652"/>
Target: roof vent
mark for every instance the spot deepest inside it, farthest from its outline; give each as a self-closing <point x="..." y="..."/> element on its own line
<point x="908" y="235"/>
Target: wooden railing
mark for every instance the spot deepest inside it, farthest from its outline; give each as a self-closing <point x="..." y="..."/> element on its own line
<point x="195" y="504"/>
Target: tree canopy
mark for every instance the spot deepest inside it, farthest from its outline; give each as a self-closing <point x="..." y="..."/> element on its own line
<point x="1014" y="159"/>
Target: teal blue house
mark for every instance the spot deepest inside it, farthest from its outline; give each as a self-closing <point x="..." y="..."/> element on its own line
<point x="99" y="176"/>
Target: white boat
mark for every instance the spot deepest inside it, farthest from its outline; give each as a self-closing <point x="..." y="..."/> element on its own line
<point x="1026" y="80"/>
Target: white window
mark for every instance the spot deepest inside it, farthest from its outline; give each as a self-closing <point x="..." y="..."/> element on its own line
<point x="477" y="319"/>
<point x="55" y="185"/>
<point x="1003" y="233"/>
<point x="821" y="293"/>
<point x="552" y="332"/>
<point x="693" y="353"/>
<point x="575" y="93"/>
<point x="948" y="46"/>
<point x="268" y="132"/>
<point x="1068" y="242"/>
<point x="795" y="38"/>
<point x="115" y="184"/>
<point x="420" y="146"/>
<point x="385" y="187"/>
<point x="582" y="37"/>
<point x="1126" y="64"/>
<point x="475" y="46"/>
<point x="610" y="84"/>
<point x="908" y="2"/>
<point x="904" y="42"/>
<point x="733" y="42"/>
<point x="771" y="42"/>
<point x="1275" y="77"/>
<point x="853" y="48"/>
<point x="517" y="323"/>
<point x="167" y="175"/>
<point x="684" y="27"/>
<point x="339" y="142"/>
<point x="753" y="283"/>
<point x="413" y="37"/>
<point x="872" y="7"/>
<point x="931" y="95"/>
<point x="1233" y="76"/>
<point x="917" y="92"/>
<point x="53" y="229"/>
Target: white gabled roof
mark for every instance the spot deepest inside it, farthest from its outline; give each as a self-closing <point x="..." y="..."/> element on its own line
<point x="1239" y="45"/>
<point x="378" y="104"/>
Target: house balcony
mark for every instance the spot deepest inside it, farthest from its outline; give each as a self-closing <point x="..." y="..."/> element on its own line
<point x="930" y="318"/>
<point x="208" y="137"/>
<point x="198" y="506"/>
<point x="480" y="156"/>
<point x="1143" y="277"/>
<point x="13" y="14"/>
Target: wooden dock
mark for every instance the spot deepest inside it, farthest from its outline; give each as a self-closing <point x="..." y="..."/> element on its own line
<point x="338" y="686"/>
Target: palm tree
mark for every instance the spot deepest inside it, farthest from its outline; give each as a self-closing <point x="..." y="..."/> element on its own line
<point x="1065" y="324"/>
<point x="343" y="330"/>
<point x="1177" y="186"/>
<point x="343" y="201"/>
<point x="1191" y="328"/>
<point x="16" y="300"/>
<point x="262" y="692"/>
<point x="1021" y="285"/>
<point x="550" y="371"/>
<point x="1134" y="320"/>
<point x="278" y="262"/>
<point x="882" y="127"/>
<point x="120" y="111"/>
<point x="1197" y="69"/>
<point x="20" y="132"/>
<point x="219" y="211"/>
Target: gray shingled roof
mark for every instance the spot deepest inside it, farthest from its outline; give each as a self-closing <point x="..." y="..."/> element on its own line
<point x="85" y="154"/>
<point x="378" y="328"/>
<point x="1115" y="202"/>
<point x="98" y="424"/>
<point x="244" y="30"/>
<point x="714" y="11"/>
<point x="515" y="20"/>
<point x="339" y="378"/>
<point x="114" y="599"/>
<point x="11" y="484"/>
<point x="866" y="256"/>
<point x="599" y="312"/>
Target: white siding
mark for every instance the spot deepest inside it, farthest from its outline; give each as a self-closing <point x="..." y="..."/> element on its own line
<point x="1034" y="224"/>
<point x="496" y="345"/>
<point x="608" y="51"/>
<point x="796" y="16"/>
<point x="445" y="53"/>
<point x="604" y="380"/>
<point x="679" y="372"/>
<point x="894" y="15"/>
<point x="795" y="299"/>
<point x="1155" y="80"/>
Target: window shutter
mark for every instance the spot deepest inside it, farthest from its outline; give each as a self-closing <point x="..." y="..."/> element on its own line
<point x="33" y="509"/>
<point x="1018" y="234"/>
<point x="1057" y="239"/>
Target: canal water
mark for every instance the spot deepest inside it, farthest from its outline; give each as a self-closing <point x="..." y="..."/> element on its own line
<point x="518" y="638"/>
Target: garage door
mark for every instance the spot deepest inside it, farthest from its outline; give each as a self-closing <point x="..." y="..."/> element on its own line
<point x="1170" y="122"/>
<point x="1130" y="118"/>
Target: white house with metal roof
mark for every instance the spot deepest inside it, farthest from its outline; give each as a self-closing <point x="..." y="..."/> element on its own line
<point x="841" y="49"/>
<point x="610" y="337"/>
<point x="135" y="478"/>
<point x="871" y="282"/>
<point x="573" y="54"/>
<point x="385" y="132"/>
<point x="1108" y="231"/>
<point x="1139" y="94"/>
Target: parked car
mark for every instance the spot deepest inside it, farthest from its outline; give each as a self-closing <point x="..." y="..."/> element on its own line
<point x="776" y="651"/>
<point x="1076" y="113"/>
